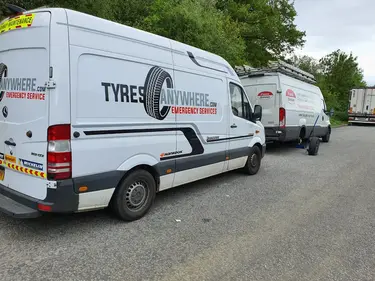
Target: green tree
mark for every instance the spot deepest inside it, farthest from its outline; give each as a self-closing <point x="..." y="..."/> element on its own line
<point x="197" y="23"/>
<point x="336" y="74"/>
<point x="267" y="26"/>
<point x="341" y="74"/>
<point x="306" y="63"/>
<point x="241" y="31"/>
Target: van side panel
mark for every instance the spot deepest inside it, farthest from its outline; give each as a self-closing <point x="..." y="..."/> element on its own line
<point x="114" y="80"/>
<point x="303" y="103"/>
<point x="204" y="110"/>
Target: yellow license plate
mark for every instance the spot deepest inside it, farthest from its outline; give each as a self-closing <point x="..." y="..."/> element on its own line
<point x="2" y="173"/>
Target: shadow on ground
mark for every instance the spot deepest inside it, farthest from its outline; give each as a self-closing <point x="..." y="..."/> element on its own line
<point x="105" y="217"/>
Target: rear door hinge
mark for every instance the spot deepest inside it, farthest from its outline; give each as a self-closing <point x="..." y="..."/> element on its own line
<point x="50" y="84"/>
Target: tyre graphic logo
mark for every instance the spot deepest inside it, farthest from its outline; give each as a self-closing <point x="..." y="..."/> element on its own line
<point x="3" y="74"/>
<point x="155" y="80"/>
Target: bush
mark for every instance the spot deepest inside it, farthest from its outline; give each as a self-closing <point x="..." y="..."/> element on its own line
<point x="341" y="115"/>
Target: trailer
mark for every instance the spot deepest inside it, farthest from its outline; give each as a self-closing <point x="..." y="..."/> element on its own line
<point x="362" y="105"/>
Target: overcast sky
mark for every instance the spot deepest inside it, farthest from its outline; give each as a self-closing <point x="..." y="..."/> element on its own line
<point x="348" y="25"/>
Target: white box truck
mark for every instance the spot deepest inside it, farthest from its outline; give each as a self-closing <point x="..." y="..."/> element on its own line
<point x="97" y="114"/>
<point x="362" y="105"/>
<point x="290" y="101"/>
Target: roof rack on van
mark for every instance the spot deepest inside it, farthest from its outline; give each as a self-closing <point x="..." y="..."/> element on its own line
<point x="278" y="66"/>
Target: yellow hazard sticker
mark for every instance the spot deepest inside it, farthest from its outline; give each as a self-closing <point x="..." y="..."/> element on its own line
<point x="21" y="169"/>
<point x="21" y="21"/>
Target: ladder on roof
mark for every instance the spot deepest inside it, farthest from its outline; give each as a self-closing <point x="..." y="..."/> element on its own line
<point x="278" y="66"/>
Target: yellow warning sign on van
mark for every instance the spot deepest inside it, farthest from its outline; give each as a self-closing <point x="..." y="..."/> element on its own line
<point x="21" y="21"/>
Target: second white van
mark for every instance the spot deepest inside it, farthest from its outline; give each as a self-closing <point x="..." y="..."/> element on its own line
<point x="291" y="103"/>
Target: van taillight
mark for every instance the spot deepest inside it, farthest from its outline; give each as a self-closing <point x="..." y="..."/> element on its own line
<point x="59" y="155"/>
<point x="282" y="119"/>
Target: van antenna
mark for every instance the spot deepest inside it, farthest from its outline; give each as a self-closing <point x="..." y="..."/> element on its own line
<point x="278" y="66"/>
<point x="15" y="9"/>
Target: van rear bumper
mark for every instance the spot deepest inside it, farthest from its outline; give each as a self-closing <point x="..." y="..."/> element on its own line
<point x="282" y="134"/>
<point x="16" y="209"/>
<point x="63" y="199"/>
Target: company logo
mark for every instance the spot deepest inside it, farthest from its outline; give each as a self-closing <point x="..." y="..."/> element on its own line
<point x="291" y="96"/>
<point x="19" y="87"/>
<point x="159" y="97"/>
<point x="5" y="111"/>
<point x="265" y="95"/>
<point x="290" y="93"/>
<point x="30" y="164"/>
<point x="172" y="153"/>
<point x="3" y="74"/>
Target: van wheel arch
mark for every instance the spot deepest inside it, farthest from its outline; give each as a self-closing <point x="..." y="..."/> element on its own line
<point x="147" y="168"/>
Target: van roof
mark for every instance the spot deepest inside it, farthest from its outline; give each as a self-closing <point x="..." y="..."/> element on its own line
<point x="90" y="22"/>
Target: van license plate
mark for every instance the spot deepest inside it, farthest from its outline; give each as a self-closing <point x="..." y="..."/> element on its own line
<point x="2" y="173"/>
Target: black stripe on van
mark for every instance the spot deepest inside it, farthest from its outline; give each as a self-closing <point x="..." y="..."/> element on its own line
<point x="189" y="134"/>
<point x="230" y="138"/>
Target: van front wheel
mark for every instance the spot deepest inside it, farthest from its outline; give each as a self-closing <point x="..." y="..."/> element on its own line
<point x="253" y="161"/>
<point x="327" y="136"/>
<point x="134" y="197"/>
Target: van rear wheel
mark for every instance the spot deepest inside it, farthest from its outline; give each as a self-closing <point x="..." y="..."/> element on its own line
<point x="134" y="196"/>
<point x="253" y="161"/>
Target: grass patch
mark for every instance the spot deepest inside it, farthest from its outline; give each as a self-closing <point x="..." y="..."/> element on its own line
<point x="336" y="122"/>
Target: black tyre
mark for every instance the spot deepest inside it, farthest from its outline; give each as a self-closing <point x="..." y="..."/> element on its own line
<point x="327" y="137"/>
<point x="3" y="74"/>
<point x="313" y="146"/>
<point x="253" y="161"/>
<point x="134" y="196"/>
<point x="155" y="79"/>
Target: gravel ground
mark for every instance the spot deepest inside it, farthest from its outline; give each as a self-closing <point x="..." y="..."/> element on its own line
<point x="300" y="218"/>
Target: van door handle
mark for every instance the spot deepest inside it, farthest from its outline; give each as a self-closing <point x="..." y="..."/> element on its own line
<point x="233" y="126"/>
<point x="10" y="143"/>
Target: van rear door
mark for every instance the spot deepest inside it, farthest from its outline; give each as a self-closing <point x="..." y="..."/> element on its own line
<point x="266" y="96"/>
<point x="24" y="69"/>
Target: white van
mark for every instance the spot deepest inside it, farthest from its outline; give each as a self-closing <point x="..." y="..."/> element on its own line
<point x="290" y="101"/>
<point x="95" y="113"/>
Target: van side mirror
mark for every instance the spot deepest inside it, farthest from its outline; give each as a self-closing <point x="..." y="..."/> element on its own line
<point x="331" y="112"/>
<point x="257" y="115"/>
